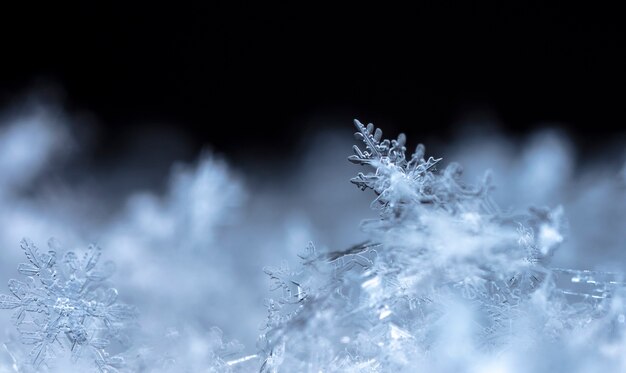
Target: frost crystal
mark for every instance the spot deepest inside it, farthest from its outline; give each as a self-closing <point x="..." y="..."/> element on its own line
<point x="447" y="281"/>
<point x="66" y="309"/>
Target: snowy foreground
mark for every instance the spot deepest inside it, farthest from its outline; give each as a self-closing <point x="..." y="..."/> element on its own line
<point x="441" y="279"/>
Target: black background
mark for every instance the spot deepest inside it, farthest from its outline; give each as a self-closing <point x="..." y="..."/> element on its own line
<point x="255" y="76"/>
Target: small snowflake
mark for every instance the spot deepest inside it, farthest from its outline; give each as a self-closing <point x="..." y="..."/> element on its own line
<point x="66" y="305"/>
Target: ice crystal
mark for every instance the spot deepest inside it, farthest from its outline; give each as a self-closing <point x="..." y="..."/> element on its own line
<point x="446" y="276"/>
<point x="65" y="308"/>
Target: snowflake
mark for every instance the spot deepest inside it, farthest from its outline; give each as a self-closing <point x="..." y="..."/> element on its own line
<point x="67" y="305"/>
<point x="399" y="182"/>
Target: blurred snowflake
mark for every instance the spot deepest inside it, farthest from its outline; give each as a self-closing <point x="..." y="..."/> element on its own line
<point x="191" y="349"/>
<point x="66" y="309"/>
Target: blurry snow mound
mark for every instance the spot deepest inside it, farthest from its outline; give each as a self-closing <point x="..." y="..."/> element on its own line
<point x="28" y="144"/>
<point x="191" y="349"/>
<point x="199" y="201"/>
<point x="31" y="144"/>
<point x="542" y="170"/>
<point x="170" y="247"/>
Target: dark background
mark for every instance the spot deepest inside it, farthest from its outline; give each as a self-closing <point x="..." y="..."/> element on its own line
<point x="253" y="77"/>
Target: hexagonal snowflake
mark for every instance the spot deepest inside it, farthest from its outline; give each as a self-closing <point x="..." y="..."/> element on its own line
<point x="66" y="308"/>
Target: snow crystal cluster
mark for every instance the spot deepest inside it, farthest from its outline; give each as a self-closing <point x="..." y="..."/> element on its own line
<point x="446" y="281"/>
